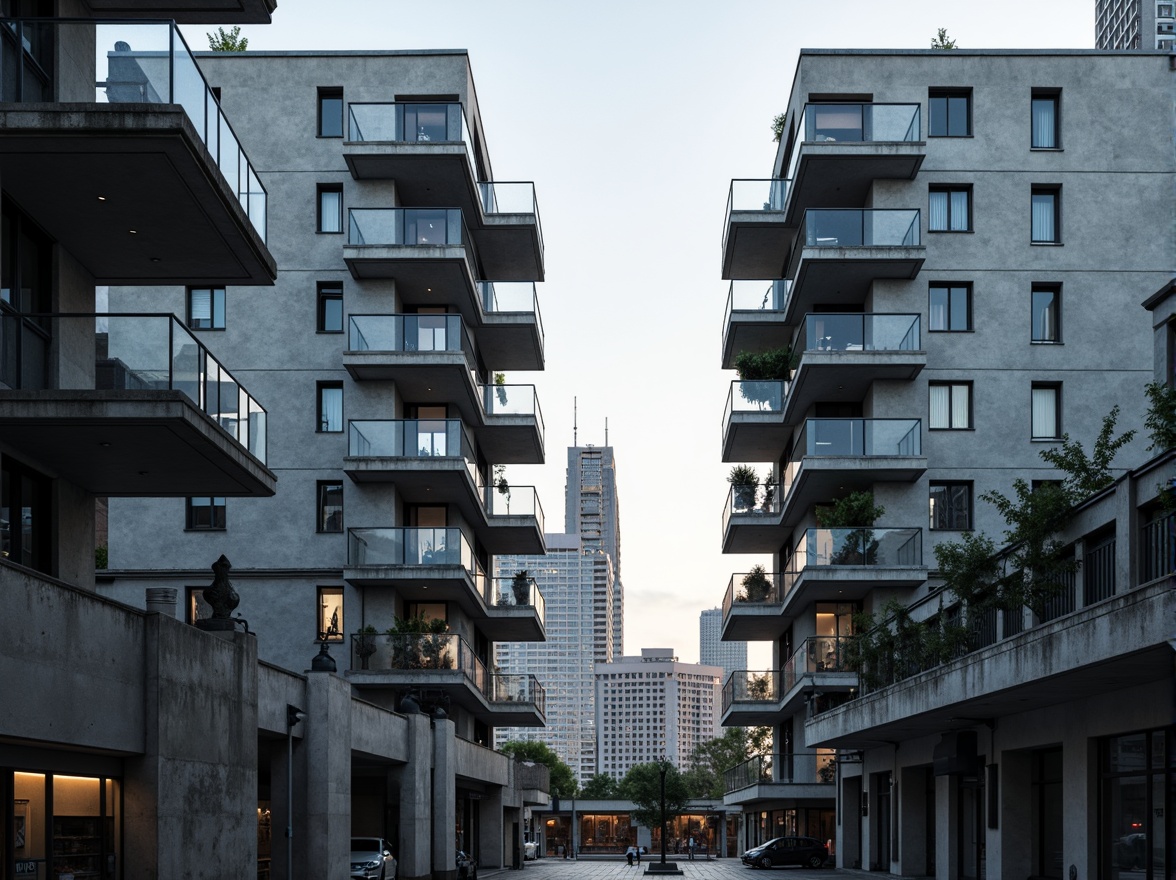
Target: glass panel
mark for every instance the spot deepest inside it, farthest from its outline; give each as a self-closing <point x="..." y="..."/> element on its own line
<point x="957" y="115"/>
<point x="30" y="826"/>
<point x="1044" y="217"/>
<point x="1126" y="824"/>
<point x="1044" y="113"/>
<point x="330" y="211"/>
<point x="331" y="116"/>
<point x="1045" y="315"/>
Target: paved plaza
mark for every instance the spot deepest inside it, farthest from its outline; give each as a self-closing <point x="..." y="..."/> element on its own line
<point x="699" y="869"/>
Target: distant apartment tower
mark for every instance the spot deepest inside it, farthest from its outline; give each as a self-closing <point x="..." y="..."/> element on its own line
<point x="712" y="650"/>
<point x="592" y="511"/>
<point x="1134" y="24"/>
<point x="577" y="585"/>
<point x="652" y="707"/>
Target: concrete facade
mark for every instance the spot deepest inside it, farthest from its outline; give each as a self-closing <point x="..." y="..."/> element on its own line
<point x="965" y="143"/>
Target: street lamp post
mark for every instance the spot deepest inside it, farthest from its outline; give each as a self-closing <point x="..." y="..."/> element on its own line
<point x="663" y="769"/>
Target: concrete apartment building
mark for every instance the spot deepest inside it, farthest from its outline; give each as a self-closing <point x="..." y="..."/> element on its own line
<point x="948" y="244"/>
<point x="652" y="707"/>
<point x="1134" y="24"/>
<point x="128" y="734"/>
<point x="712" y="650"/>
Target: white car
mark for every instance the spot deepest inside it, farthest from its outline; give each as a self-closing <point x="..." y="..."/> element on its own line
<point x="371" y="859"/>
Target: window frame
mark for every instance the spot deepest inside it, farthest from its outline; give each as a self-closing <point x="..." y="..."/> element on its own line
<point x="947" y="94"/>
<point x="1056" y="291"/>
<point x="950" y="286"/>
<point x="328" y="291"/>
<point x="321" y="190"/>
<point x="330" y="93"/>
<point x="215" y="523"/>
<point x="212" y="308"/>
<point x="950" y="190"/>
<point x="319" y="388"/>
<point x="321" y="632"/>
<point x="951" y="387"/>
<point x="321" y="516"/>
<point x="1056" y="388"/>
<point x="970" y="513"/>
<point x="1054" y="96"/>
<point x="1054" y="191"/>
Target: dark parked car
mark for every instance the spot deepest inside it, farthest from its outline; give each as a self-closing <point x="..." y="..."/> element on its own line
<point x="467" y="866"/>
<point x="787" y="851"/>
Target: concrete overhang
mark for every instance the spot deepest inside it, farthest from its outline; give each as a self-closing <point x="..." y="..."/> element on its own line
<point x="752" y="713"/>
<point x="188" y="11"/>
<point x="511" y="341"/>
<point x="840" y="175"/>
<point x="130" y="444"/>
<point x="89" y="174"/>
<point x="513" y="439"/>
<point x="822" y="477"/>
<point x="843" y="275"/>
<point x="756" y="244"/>
<point x="779" y="793"/>
<point x="755" y="436"/>
<point x="426" y="173"/>
<point x="425" y="275"/>
<point x="754" y="532"/>
<point x="510" y="247"/>
<point x="754" y="331"/>
<point x="423" y="377"/>
<point x="1098" y="650"/>
<point x="829" y="376"/>
<point x="422" y="583"/>
<point x="753" y="622"/>
<point x="515" y="713"/>
<point x="457" y="686"/>
<point x="513" y="623"/>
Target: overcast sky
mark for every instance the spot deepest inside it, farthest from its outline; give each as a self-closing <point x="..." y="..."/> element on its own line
<point x="632" y="118"/>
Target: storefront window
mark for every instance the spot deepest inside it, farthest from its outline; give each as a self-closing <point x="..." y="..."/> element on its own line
<point x="29" y="822"/>
<point x="80" y="839"/>
<point x="1136" y="839"/>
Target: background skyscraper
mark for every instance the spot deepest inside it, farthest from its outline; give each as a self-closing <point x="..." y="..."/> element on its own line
<point x="712" y="651"/>
<point x="592" y="511"/>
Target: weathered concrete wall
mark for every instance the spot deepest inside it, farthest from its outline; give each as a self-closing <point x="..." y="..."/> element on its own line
<point x="327" y="753"/>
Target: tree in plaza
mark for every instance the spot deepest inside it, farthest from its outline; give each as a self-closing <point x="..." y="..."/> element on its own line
<point x="563" y="781"/>
<point x="642" y="785"/>
<point x="601" y="787"/>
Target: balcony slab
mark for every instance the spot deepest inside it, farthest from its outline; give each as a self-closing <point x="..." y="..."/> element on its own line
<point x="829" y="376"/>
<point x="188" y="11"/>
<point x="841" y="175"/>
<point x="843" y="275"/>
<point x="756" y="245"/>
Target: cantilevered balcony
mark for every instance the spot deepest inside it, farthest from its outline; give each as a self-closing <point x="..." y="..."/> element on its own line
<point x="445" y="663"/>
<point x="841" y="149"/>
<point x="833" y="456"/>
<point x="510" y="430"/>
<point x="112" y="141"/>
<point x="140" y="408"/>
<point x="511" y="334"/>
<point x="751" y="606"/>
<point x="819" y="662"/>
<point x="430" y="357"/>
<point x="753" y="420"/>
<point x="424" y="564"/>
<point x="756" y="239"/>
<point x="516" y="611"/>
<point x="427" y="149"/>
<point x="514" y="519"/>
<point x="754" y="319"/>
<point x="766" y="779"/>
<point x="751" y="520"/>
<point x="427" y="251"/>
<point x="840" y="252"/>
<point x="751" y="697"/>
<point x="843" y="354"/>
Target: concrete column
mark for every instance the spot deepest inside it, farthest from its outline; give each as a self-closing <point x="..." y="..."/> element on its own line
<point x="444" y="800"/>
<point x="912" y="822"/>
<point x="1015" y="819"/>
<point x="416" y="803"/>
<point x="947" y="827"/>
<point x="495" y="838"/>
<point x="1079" y="803"/>
<point x="327" y="746"/>
<point x="849" y="841"/>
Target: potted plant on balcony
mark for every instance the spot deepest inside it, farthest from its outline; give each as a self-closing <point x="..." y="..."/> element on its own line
<point x="759" y="686"/>
<point x="500" y="387"/>
<point x="758" y="370"/>
<point x="520" y="585"/>
<point x="769" y="492"/>
<point x="501" y="484"/>
<point x="365" y="644"/>
<point x="419" y="643"/>
<point x="744" y="480"/>
<point x="757" y="586"/>
<point x="856" y="512"/>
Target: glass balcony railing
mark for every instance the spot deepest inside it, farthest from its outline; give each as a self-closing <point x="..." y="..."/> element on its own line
<point x="409" y="333"/>
<point x="789" y="767"/>
<point x="859" y="437"/>
<point x="511" y="197"/>
<point x="855" y="124"/>
<point x="519" y="593"/>
<point x="134" y="62"/>
<point x="751" y="686"/>
<point x="816" y="654"/>
<point x="423" y="227"/>
<point x="512" y="400"/>
<point x="381" y="652"/>
<point x="512" y="297"/>
<point x="400" y="123"/>
<point x="414" y="438"/>
<point x="515" y="501"/>
<point x="861" y="332"/>
<point x="762" y="500"/>
<point x="871" y="227"/>
<point x="752" y="588"/>
<point x="413" y="546"/>
<point x="891" y="548"/>
<point x="766" y="196"/>
<point x="758" y="396"/>
<point x="508" y="688"/>
<point x="756" y="296"/>
<point x="132" y="353"/>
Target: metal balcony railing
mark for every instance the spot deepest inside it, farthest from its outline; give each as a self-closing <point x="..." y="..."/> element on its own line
<point x="410" y="333"/>
<point x="516" y="592"/>
<point x="751" y="686"/>
<point x="855" y="124"/>
<point x="855" y="228"/>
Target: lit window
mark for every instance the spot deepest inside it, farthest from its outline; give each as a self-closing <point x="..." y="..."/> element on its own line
<point x="206" y="308"/>
<point x="330" y="614"/>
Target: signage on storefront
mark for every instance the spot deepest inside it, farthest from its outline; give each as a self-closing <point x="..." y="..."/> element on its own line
<point x="27" y="867"/>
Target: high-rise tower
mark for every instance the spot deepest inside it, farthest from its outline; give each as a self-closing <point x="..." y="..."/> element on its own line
<point x="591" y="510"/>
<point x="712" y="650"/>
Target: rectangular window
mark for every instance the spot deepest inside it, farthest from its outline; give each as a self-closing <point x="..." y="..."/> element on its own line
<point x="196" y="608"/>
<point x="330" y="614"/>
<point x="950" y="308"/>
<point x="205" y="514"/>
<point x="330" y="207"/>
<point x="206" y="308"/>
<point x="950" y="113"/>
<point x="950" y="406"/>
<point x="1045" y="221"/>
<point x="330" y="307"/>
<point x="1045" y="121"/>
<point x="949" y="209"/>
<point x="1046" y="307"/>
<point x="1046" y="417"/>
<point x="330" y="407"/>
<point x="330" y="507"/>
<point x="330" y="113"/>
<point x="951" y="506"/>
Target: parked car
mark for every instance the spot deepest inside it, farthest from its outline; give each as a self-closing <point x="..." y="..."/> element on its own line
<point x="371" y="859"/>
<point x="787" y="851"/>
<point x="530" y="850"/>
<point x="467" y="866"/>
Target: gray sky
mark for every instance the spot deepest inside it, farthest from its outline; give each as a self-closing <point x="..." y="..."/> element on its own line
<point x="632" y="118"/>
